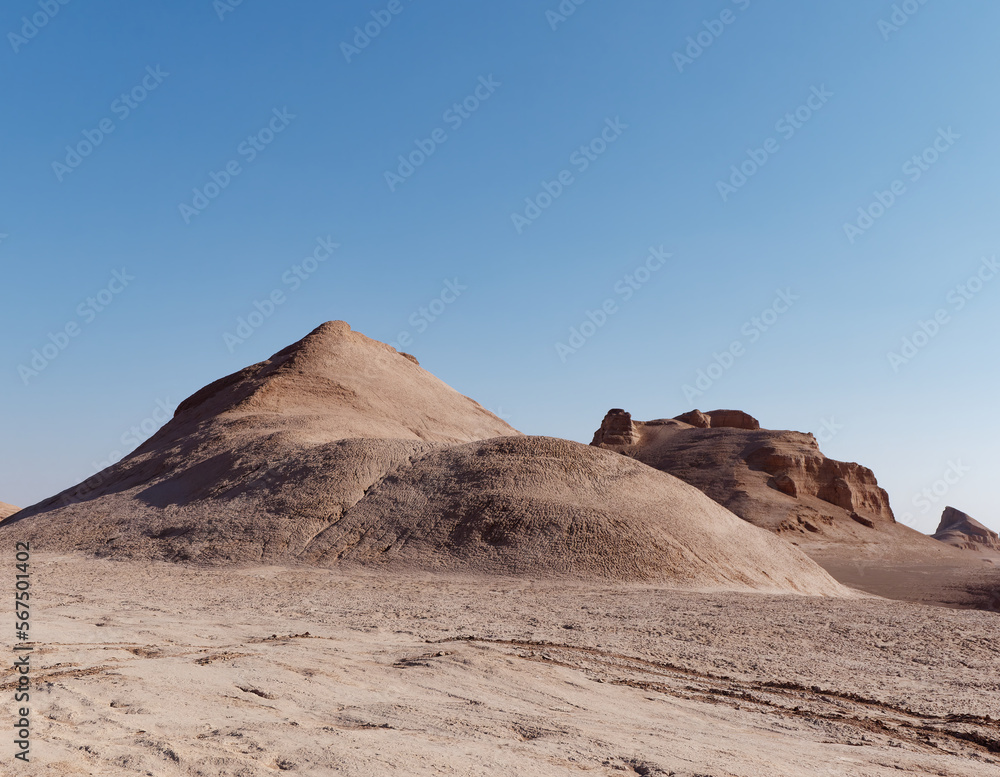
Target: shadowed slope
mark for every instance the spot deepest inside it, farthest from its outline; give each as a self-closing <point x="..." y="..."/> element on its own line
<point x="541" y="506"/>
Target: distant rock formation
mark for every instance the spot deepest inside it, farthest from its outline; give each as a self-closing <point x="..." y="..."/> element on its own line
<point x="778" y="480"/>
<point x="616" y="429"/>
<point x="718" y="419"/>
<point x="7" y="510"/>
<point x="695" y="418"/>
<point x="619" y="429"/>
<point x="963" y="531"/>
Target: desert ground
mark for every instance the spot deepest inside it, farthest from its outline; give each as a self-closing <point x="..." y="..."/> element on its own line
<point x="167" y="669"/>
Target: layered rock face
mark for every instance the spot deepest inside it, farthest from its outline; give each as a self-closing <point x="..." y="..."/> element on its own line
<point x="617" y="429"/>
<point x="963" y="531"/>
<point x="798" y="469"/>
<point x="779" y="480"/>
<point x="719" y="419"/>
<point x="7" y="510"/>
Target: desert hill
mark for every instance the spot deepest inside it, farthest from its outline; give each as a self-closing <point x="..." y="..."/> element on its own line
<point x="7" y="510"/>
<point x="339" y="384"/>
<point x="338" y="449"/>
<point x="254" y="465"/>
<point x="540" y="506"/>
<point x="964" y="531"/>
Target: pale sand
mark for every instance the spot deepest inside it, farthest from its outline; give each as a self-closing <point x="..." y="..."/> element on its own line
<point x="159" y="669"/>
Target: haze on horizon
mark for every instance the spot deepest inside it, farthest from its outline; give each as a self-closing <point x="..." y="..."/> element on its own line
<point x="712" y="205"/>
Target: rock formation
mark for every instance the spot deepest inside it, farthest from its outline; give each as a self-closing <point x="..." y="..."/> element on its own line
<point x="617" y="429"/>
<point x="718" y="419"/>
<point x="779" y="480"/>
<point x="340" y="450"/>
<point x="963" y="531"/>
<point x="7" y="510"/>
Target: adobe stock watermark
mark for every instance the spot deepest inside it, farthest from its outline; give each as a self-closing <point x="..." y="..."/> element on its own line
<point x="249" y="150"/>
<point x="752" y="331"/>
<point x="427" y="314"/>
<point x="454" y="117"/>
<point x="370" y="30"/>
<point x="581" y="159"/>
<point x="499" y="413"/>
<point x="31" y="26"/>
<point x="87" y="312"/>
<point x="704" y="38"/>
<point x="936" y="492"/>
<point x="133" y="437"/>
<point x="913" y="169"/>
<point x="828" y="429"/>
<point x="224" y="7"/>
<point x="561" y="13"/>
<point x="901" y="14"/>
<point x="957" y="298"/>
<point x="122" y="107"/>
<point x="624" y="290"/>
<point x="786" y="126"/>
<point x="291" y="281"/>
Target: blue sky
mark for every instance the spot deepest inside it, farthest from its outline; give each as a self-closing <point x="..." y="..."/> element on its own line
<point x="550" y="163"/>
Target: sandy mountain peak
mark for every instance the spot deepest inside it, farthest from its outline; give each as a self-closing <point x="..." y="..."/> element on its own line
<point x="345" y="385"/>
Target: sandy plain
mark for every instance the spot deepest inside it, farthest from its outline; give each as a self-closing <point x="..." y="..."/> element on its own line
<point x="172" y="669"/>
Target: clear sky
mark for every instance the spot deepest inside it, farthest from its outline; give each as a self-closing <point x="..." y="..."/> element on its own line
<point x="597" y="204"/>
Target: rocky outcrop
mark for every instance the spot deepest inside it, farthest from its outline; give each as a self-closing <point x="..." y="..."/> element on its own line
<point x="719" y="419"/>
<point x="695" y="418"/>
<point x="849" y="486"/>
<point x="7" y="510"/>
<point x="733" y="419"/>
<point x="616" y="429"/>
<point x="779" y="480"/>
<point x="963" y="531"/>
